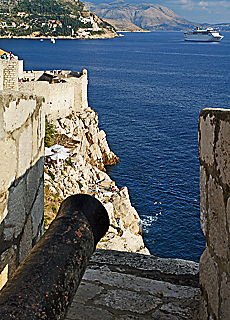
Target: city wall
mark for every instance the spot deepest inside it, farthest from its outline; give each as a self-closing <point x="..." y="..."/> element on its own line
<point x="22" y="130"/>
<point x="60" y="98"/>
<point x="21" y="177"/>
<point x="214" y="153"/>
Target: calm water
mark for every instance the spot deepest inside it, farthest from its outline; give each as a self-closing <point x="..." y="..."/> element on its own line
<point x="148" y="90"/>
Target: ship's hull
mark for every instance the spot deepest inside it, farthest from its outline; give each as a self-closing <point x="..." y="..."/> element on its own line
<point x="202" y="37"/>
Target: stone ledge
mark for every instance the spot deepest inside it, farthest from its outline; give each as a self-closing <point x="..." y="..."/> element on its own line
<point x="116" y="286"/>
<point x="174" y="271"/>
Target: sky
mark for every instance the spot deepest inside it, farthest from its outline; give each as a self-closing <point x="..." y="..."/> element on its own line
<point x="205" y="11"/>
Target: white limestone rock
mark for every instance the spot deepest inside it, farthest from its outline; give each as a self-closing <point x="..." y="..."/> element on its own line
<point x="90" y="153"/>
<point x="95" y="152"/>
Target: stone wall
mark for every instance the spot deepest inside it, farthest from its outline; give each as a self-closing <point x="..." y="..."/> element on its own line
<point x="9" y="74"/>
<point x="21" y="177"/>
<point x="81" y="91"/>
<point x="214" y="153"/>
<point x="22" y="130"/>
<point x="61" y="98"/>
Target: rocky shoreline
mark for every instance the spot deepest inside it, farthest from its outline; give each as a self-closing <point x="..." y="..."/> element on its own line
<point x="105" y="35"/>
<point x="84" y="172"/>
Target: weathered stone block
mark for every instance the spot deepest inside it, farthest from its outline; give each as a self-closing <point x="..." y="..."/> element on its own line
<point x="18" y="112"/>
<point x="24" y="150"/>
<point x="225" y="296"/>
<point x="80" y="311"/>
<point x="207" y="134"/>
<point x="203" y="309"/>
<point x="35" y="132"/>
<point x="41" y="131"/>
<point x="228" y="214"/>
<point x="209" y="279"/>
<point x="15" y="219"/>
<point x="26" y="241"/>
<point x="37" y="210"/>
<point x="203" y="200"/>
<point x="222" y="151"/>
<point x="8" y="163"/>
<point x="178" y="310"/>
<point x="218" y="237"/>
<point x="34" y="176"/>
<point x="87" y="292"/>
<point x="125" y="300"/>
<point x="10" y="74"/>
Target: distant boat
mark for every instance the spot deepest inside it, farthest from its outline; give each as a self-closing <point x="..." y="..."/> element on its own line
<point x="52" y="40"/>
<point x="41" y="39"/>
<point x="205" y="35"/>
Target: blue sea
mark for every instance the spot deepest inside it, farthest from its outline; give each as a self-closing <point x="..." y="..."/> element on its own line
<point x="148" y="89"/>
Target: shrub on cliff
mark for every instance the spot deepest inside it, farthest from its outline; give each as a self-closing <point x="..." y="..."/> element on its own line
<point x="50" y="133"/>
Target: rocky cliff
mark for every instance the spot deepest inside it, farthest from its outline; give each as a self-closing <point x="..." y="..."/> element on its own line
<point x="125" y="26"/>
<point x="84" y="172"/>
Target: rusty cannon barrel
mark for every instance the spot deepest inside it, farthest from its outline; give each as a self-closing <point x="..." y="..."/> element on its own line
<point x="44" y="284"/>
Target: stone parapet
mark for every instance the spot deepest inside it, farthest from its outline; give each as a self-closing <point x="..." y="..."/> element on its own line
<point x="124" y="285"/>
<point x="214" y="153"/>
<point x="21" y="177"/>
<point x="175" y="271"/>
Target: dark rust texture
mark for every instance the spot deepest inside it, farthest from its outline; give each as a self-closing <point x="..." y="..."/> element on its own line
<point x="45" y="283"/>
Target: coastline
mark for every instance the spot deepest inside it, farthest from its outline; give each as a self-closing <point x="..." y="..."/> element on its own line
<point x="76" y="154"/>
<point x="85" y="173"/>
<point x="96" y="36"/>
<point x="72" y="126"/>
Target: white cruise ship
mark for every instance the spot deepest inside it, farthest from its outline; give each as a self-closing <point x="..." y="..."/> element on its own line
<point x="203" y="35"/>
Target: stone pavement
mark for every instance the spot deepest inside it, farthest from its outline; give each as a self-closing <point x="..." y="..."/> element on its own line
<point x="122" y="286"/>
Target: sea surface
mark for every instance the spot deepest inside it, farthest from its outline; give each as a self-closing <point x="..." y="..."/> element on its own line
<point x="148" y="89"/>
